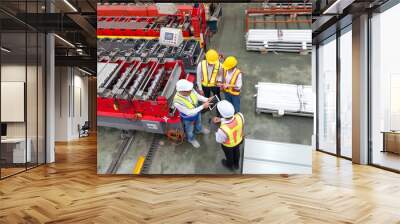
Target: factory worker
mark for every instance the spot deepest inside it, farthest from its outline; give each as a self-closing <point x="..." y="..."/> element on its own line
<point x="230" y="133"/>
<point x="186" y="101"/>
<point x="232" y="82"/>
<point x="209" y="73"/>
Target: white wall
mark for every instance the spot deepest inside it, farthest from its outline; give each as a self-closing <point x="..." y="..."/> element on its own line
<point x="33" y="126"/>
<point x="80" y="94"/>
<point x="61" y="103"/>
<point x="71" y="93"/>
<point x="12" y="73"/>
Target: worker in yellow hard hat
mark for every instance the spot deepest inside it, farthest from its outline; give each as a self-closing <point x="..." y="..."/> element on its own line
<point x="209" y="73"/>
<point x="232" y="82"/>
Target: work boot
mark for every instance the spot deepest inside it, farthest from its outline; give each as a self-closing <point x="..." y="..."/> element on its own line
<point x="195" y="143"/>
<point x="205" y="131"/>
<point x="225" y="164"/>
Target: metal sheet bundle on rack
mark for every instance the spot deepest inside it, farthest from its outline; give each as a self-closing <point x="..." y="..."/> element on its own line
<point x="279" y="40"/>
<point x="281" y="99"/>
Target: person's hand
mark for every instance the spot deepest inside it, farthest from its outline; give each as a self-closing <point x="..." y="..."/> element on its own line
<point x="216" y="120"/>
<point x="210" y="98"/>
<point x="201" y="92"/>
<point x="206" y="105"/>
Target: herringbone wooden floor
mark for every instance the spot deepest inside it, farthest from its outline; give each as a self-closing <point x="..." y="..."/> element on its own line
<point x="70" y="191"/>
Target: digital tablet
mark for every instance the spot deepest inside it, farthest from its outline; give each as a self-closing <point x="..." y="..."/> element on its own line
<point x="213" y="102"/>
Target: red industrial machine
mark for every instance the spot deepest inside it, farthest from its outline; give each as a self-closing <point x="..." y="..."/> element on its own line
<point x="137" y="95"/>
<point x="136" y="75"/>
<point x="146" y="21"/>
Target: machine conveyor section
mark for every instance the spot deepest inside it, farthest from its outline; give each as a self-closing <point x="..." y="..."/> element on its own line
<point x="137" y="79"/>
<point x="104" y="70"/>
<point x="190" y="51"/>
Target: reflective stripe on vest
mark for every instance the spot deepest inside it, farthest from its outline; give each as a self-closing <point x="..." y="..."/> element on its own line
<point x="204" y="71"/>
<point x="232" y="82"/>
<point x="185" y="102"/>
<point x="233" y="131"/>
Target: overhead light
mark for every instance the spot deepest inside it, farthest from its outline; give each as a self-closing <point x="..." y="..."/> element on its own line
<point x="64" y="40"/>
<point x="84" y="71"/>
<point x="70" y="5"/>
<point x="5" y="49"/>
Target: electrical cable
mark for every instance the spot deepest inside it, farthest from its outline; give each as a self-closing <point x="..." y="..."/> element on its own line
<point x="175" y="136"/>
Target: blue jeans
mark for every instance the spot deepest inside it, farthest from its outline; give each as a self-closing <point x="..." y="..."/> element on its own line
<point x="234" y="100"/>
<point x="192" y="127"/>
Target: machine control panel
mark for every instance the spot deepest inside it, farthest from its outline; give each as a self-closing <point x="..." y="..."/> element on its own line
<point x="171" y="36"/>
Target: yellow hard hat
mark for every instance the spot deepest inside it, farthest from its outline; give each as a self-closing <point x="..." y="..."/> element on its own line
<point x="229" y="63"/>
<point x="212" y="56"/>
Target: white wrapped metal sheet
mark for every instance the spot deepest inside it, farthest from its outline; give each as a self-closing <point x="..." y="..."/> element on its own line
<point x="281" y="98"/>
<point x="279" y="40"/>
<point x="266" y="157"/>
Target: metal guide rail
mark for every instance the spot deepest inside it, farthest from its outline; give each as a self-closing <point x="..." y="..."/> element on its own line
<point x="190" y="51"/>
<point x="154" y="145"/>
<point x="128" y="139"/>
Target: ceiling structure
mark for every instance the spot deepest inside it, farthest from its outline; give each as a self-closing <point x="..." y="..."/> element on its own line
<point x="331" y="15"/>
<point x="73" y="22"/>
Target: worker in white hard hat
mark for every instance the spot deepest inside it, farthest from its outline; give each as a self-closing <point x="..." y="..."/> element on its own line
<point x="186" y="101"/>
<point x="209" y="73"/>
<point x="232" y="82"/>
<point x="230" y="133"/>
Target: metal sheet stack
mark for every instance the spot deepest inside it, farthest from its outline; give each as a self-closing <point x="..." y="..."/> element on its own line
<point x="280" y="99"/>
<point x="286" y="40"/>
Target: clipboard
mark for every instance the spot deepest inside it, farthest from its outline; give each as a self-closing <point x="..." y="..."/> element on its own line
<point x="213" y="102"/>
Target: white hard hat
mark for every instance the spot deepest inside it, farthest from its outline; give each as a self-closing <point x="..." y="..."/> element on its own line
<point x="225" y="109"/>
<point x="184" y="85"/>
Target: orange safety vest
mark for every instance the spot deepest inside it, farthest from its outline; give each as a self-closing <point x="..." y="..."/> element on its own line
<point x="234" y="78"/>
<point x="204" y="71"/>
<point x="233" y="131"/>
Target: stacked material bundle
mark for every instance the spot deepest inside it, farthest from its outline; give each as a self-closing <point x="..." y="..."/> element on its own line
<point x="287" y="40"/>
<point x="280" y="99"/>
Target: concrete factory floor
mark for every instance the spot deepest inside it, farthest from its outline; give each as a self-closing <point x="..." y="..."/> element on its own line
<point x="270" y="67"/>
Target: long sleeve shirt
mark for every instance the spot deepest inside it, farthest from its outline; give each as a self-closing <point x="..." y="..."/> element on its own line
<point x="220" y="135"/>
<point x="210" y="68"/>
<point x="238" y="84"/>
<point x="191" y="112"/>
